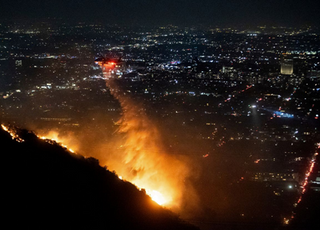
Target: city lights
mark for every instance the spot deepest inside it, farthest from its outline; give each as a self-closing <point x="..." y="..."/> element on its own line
<point x="213" y="123"/>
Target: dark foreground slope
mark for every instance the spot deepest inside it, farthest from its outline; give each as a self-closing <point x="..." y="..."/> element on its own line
<point x="45" y="187"/>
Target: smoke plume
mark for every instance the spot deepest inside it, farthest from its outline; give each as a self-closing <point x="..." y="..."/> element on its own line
<point x="137" y="155"/>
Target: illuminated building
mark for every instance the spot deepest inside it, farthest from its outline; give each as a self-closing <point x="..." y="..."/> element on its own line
<point x="286" y="66"/>
<point x="227" y="69"/>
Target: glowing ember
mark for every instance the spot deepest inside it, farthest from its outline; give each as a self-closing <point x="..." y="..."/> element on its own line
<point x="4" y="128"/>
<point x="12" y="133"/>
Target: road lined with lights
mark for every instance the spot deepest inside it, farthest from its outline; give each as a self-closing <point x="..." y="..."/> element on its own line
<point x="305" y="182"/>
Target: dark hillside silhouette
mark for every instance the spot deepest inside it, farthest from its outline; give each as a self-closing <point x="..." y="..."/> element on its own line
<point x="46" y="187"/>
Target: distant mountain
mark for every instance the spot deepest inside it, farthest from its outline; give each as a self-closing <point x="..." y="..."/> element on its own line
<point x="44" y="186"/>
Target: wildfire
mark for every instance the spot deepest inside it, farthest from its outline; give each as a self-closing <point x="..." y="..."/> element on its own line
<point x="148" y="178"/>
<point x="138" y="155"/>
<point x="154" y="194"/>
<point x="135" y="152"/>
<point x="12" y="133"/>
<point x="157" y="197"/>
<point x="54" y="136"/>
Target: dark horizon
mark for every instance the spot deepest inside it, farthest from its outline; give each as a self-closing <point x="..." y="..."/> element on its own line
<point x="185" y="13"/>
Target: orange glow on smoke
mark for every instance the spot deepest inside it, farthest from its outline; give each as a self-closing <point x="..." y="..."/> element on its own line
<point x="137" y="159"/>
<point x="135" y="152"/>
<point x="139" y="156"/>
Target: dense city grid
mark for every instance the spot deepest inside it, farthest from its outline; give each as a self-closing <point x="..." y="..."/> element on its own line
<point x="243" y="104"/>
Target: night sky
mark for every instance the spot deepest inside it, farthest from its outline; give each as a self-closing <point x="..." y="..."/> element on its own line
<point x="178" y="12"/>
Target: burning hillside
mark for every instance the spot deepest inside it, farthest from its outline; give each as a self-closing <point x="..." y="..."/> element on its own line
<point x="47" y="186"/>
<point x="135" y="152"/>
<point x="141" y="158"/>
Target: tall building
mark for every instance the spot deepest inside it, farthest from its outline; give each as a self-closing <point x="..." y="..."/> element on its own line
<point x="286" y="66"/>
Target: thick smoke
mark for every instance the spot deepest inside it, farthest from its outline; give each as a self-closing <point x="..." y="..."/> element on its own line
<point x="137" y="155"/>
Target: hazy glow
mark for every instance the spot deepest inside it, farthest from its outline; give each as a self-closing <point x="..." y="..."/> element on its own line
<point x="135" y="152"/>
<point x="139" y="156"/>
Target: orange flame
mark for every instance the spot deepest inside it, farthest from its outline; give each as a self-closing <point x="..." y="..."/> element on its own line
<point x="64" y="141"/>
<point x="136" y="154"/>
<point x="12" y="133"/>
<point x="140" y="157"/>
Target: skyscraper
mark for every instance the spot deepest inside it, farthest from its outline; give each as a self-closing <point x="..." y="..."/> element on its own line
<point x="286" y="66"/>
